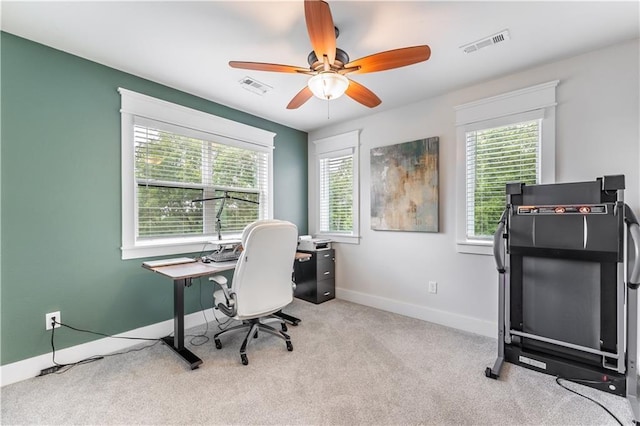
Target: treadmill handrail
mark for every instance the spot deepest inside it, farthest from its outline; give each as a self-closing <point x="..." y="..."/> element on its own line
<point x="497" y="240"/>
<point x="634" y="230"/>
<point x="634" y="277"/>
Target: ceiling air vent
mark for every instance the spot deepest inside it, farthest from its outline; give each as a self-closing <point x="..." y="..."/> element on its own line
<point x="253" y="85"/>
<point x="487" y="41"/>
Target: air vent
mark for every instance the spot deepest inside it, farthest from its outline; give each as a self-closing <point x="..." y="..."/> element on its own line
<point x="486" y="42"/>
<point x="253" y="85"/>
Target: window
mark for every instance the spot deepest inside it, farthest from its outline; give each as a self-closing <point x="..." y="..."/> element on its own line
<point x="188" y="177"/>
<point x="494" y="157"/>
<point x="507" y="138"/>
<point x="336" y="162"/>
<point x="336" y="193"/>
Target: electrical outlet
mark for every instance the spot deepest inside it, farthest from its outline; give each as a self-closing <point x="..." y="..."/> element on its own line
<point x="48" y="319"/>
<point x="433" y="287"/>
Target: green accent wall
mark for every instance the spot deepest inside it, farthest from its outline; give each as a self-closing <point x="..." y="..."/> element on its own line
<point x="61" y="198"/>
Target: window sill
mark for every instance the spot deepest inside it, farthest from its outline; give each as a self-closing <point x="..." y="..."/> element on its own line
<point x="165" y="247"/>
<point x="475" y="247"/>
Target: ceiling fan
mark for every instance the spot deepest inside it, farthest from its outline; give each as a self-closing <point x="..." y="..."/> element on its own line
<point x="328" y="64"/>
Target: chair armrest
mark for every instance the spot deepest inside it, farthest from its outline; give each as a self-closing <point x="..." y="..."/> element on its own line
<point x="222" y="283"/>
<point x="221" y="280"/>
<point x="230" y="308"/>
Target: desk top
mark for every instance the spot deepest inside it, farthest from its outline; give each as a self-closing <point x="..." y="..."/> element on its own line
<point x="200" y="269"/>
<point x="192" y="270"/>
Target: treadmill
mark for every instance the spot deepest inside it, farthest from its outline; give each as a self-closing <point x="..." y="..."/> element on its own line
<point x="568" y="261"/>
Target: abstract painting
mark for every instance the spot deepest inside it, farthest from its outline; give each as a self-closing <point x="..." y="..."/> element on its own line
<point x="404" y="186"/>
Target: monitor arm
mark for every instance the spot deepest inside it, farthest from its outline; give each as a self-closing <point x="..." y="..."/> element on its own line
<point x="224" y="197"/>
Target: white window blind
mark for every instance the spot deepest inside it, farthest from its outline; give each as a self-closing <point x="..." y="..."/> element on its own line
<point x="507" y="137"/>
<point x="172" y="155"/>
<point x="173" y="168"/>
<point x="336" y="174"/>
<point x="495" y="156"/>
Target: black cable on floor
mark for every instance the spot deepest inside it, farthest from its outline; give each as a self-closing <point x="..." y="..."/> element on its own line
<point x="584" y="396"/>
<point x="99" y="357"/>
<point x="203" y="335"/>
<point x="221" y="325"/>
<point x="57" y="367"/>
<point x="103" y="334"/>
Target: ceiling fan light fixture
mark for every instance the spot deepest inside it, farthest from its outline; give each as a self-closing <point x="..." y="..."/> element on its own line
<point x="328" y="85"/>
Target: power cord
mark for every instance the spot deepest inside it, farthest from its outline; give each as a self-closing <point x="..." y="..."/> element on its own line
<point x="204" y="247"/>
<point x="102" y="334"/>
<point x="57" y="366"/>
<point x="580" y="381"/>
<point x="203" y="335"/>
<point x="221" y="325"/>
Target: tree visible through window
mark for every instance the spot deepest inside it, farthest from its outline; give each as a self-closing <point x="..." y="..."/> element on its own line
<point x="335" y="201"/>
<point x="336" y="194"/>
<point x="172" y="156"/>
<point x="509" y="137"/>
<point x="173" y="170"/>
<point x="495" y="157"/>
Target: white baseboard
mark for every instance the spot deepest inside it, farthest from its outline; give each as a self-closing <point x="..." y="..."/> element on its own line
<point x="461" y="322"/>
<point x="31" y="367"/>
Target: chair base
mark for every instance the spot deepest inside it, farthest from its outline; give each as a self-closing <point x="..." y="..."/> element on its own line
<point x="254" y="325"/>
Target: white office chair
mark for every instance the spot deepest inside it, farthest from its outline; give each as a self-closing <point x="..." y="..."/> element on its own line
<point x="261" y="282"/>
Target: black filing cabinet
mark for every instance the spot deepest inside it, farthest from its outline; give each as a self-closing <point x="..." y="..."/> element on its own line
<point x="315" y="278"/>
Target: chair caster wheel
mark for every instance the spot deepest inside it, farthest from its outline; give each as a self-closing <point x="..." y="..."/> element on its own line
<point x="245" y="360"/>
<point x="289" y="346"/>
<point x="283" y="326"/>
<point x="218" y="344"/>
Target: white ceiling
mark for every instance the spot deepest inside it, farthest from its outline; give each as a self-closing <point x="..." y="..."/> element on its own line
<point x="187" y="45"/>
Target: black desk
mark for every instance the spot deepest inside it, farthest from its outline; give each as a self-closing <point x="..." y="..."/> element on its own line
<point x="181" y="275"/>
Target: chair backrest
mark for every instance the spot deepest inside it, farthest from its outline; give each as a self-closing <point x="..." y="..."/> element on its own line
<point x="262" y="278"/>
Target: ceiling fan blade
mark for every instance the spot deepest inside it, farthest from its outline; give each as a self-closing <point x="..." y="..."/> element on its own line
<point x="322" y="33"/>
<point x="359" y="93"/>
<point x="390" y="59"/>
<point x="303" y="96"/>
<point x="261" y="66"/>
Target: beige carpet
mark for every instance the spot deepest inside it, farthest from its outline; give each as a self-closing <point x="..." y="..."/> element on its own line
<point x="351" y="365"/>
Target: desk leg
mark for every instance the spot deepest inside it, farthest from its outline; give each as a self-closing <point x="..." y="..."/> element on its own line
<point x="177" y="342"/>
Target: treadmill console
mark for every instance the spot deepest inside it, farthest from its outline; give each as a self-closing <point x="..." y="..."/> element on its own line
<point x="563" y="209"/>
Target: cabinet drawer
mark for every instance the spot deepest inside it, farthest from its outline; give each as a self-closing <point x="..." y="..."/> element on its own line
<point x="324" y="255"/>
<point x="326" y="269"/>
<point x="326" y="290"/>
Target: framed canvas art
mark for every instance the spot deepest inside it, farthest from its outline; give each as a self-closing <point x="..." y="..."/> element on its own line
<point x="404" y="186"/>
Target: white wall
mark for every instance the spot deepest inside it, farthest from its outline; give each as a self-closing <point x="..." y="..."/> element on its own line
<point x="596" y="134"/>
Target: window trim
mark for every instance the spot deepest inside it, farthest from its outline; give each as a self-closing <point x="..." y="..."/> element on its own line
<point x="507" y="108"/>
<point x="136" y="104"/>
<point x="326" y="147"/>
